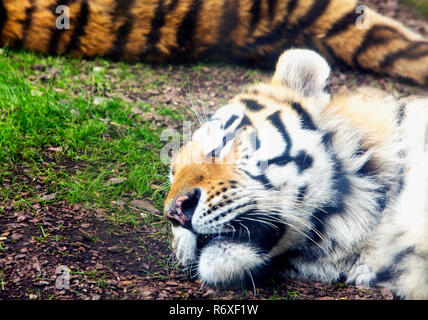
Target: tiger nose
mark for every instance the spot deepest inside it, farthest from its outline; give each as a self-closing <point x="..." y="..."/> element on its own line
<point x="182" y="211"/>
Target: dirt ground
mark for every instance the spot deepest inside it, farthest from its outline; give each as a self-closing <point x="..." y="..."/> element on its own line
<point x="110" y="261"/>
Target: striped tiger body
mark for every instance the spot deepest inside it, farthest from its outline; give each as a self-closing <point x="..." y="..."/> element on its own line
<point x="248" y="31"/>
<point x="289" y="179"/>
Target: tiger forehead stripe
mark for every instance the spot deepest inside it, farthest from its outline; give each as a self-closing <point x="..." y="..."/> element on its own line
<point x="252" y="105"/>
<point x="307" y="122"/>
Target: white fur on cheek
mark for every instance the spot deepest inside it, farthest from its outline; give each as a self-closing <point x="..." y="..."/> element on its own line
<point x="223" y="262"/>
<point x="184" y="245"/>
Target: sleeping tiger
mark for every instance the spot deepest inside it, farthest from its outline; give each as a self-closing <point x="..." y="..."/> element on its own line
<point x="247" y="31"/>
<point x="287" y="178"/>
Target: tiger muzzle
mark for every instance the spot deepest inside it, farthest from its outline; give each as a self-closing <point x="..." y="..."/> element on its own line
<point x="182" y="211"/>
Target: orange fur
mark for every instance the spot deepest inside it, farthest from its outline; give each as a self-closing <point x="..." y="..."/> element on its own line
<point x="251" y="31"/>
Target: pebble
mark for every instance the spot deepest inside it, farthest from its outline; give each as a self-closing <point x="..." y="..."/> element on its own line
<point x="125" y="283"/>
<point x="21" y="218"/>
<point x="114" y="249"/>
<point x="387" y="293"/>
<point x="146" y="293"/>
<point x="116" y="181"/>
<point x="208" y="293"/>
<point x="17" y="236"/>
<point x="41" y="283"/>
<point x="325" y="298"/>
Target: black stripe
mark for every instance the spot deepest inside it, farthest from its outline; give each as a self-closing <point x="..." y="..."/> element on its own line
<point x="280" y="32"/>
<point x="401" y="114"/>
<point x="287" y="33"/>
<point x="387" y="189"/>
<point x="307" y="122"/>
<point x="172" y="5"/>
<point x="277" y="123"/>
<point x="230" y="121"/>
<point x="301" y="193"/>
<point x="285" y="157"/>
<point x="56" y="33"/>
<point x="272" y="9"/>
<point x="392" y="271"/>
<point x="264" y="236"/>
<point x="187" y="27"/>
<point x="262" y="179"/>
<point x="334" y="58"/>
<point x="79" y="27"/>
<point x="244" y="122"/>
<point x="341" y="187"/>
<point x="255" y="15"/>
<point x="229" y="21"/>
<point x="303" y="161"/>
<point x="227" y="138"/>
<point x="254" y="138"/>
<point x="343" y="23"/>
<point x="411" y="52"/>
<point x="291" y="6"/>
<point x="327" y="140"/>
<point x="314" y="13"/>
<point x="153" y="37"/>
<point x="372" y="38"/>
<point x="122" y="10"/>
<point x="26" y="24"/>
<point x="3" y="18"/>
<point x="252" y="105"/>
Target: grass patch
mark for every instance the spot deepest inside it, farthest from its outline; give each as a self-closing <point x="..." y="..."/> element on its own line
<point x="420" y="7"/>
<point x="56" y="138"/>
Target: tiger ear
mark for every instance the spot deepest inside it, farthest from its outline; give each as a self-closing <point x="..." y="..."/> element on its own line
<point x="302" y="70"/>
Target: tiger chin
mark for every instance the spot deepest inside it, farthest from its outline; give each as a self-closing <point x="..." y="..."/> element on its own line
<point x="286" y="176"/>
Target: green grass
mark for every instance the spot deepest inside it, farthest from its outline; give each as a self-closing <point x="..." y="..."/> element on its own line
<point x="59" y="128"/>
<point x="418" y="6"/>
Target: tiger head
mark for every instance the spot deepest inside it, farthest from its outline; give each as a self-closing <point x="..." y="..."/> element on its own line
<point x="246" y="187"/>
